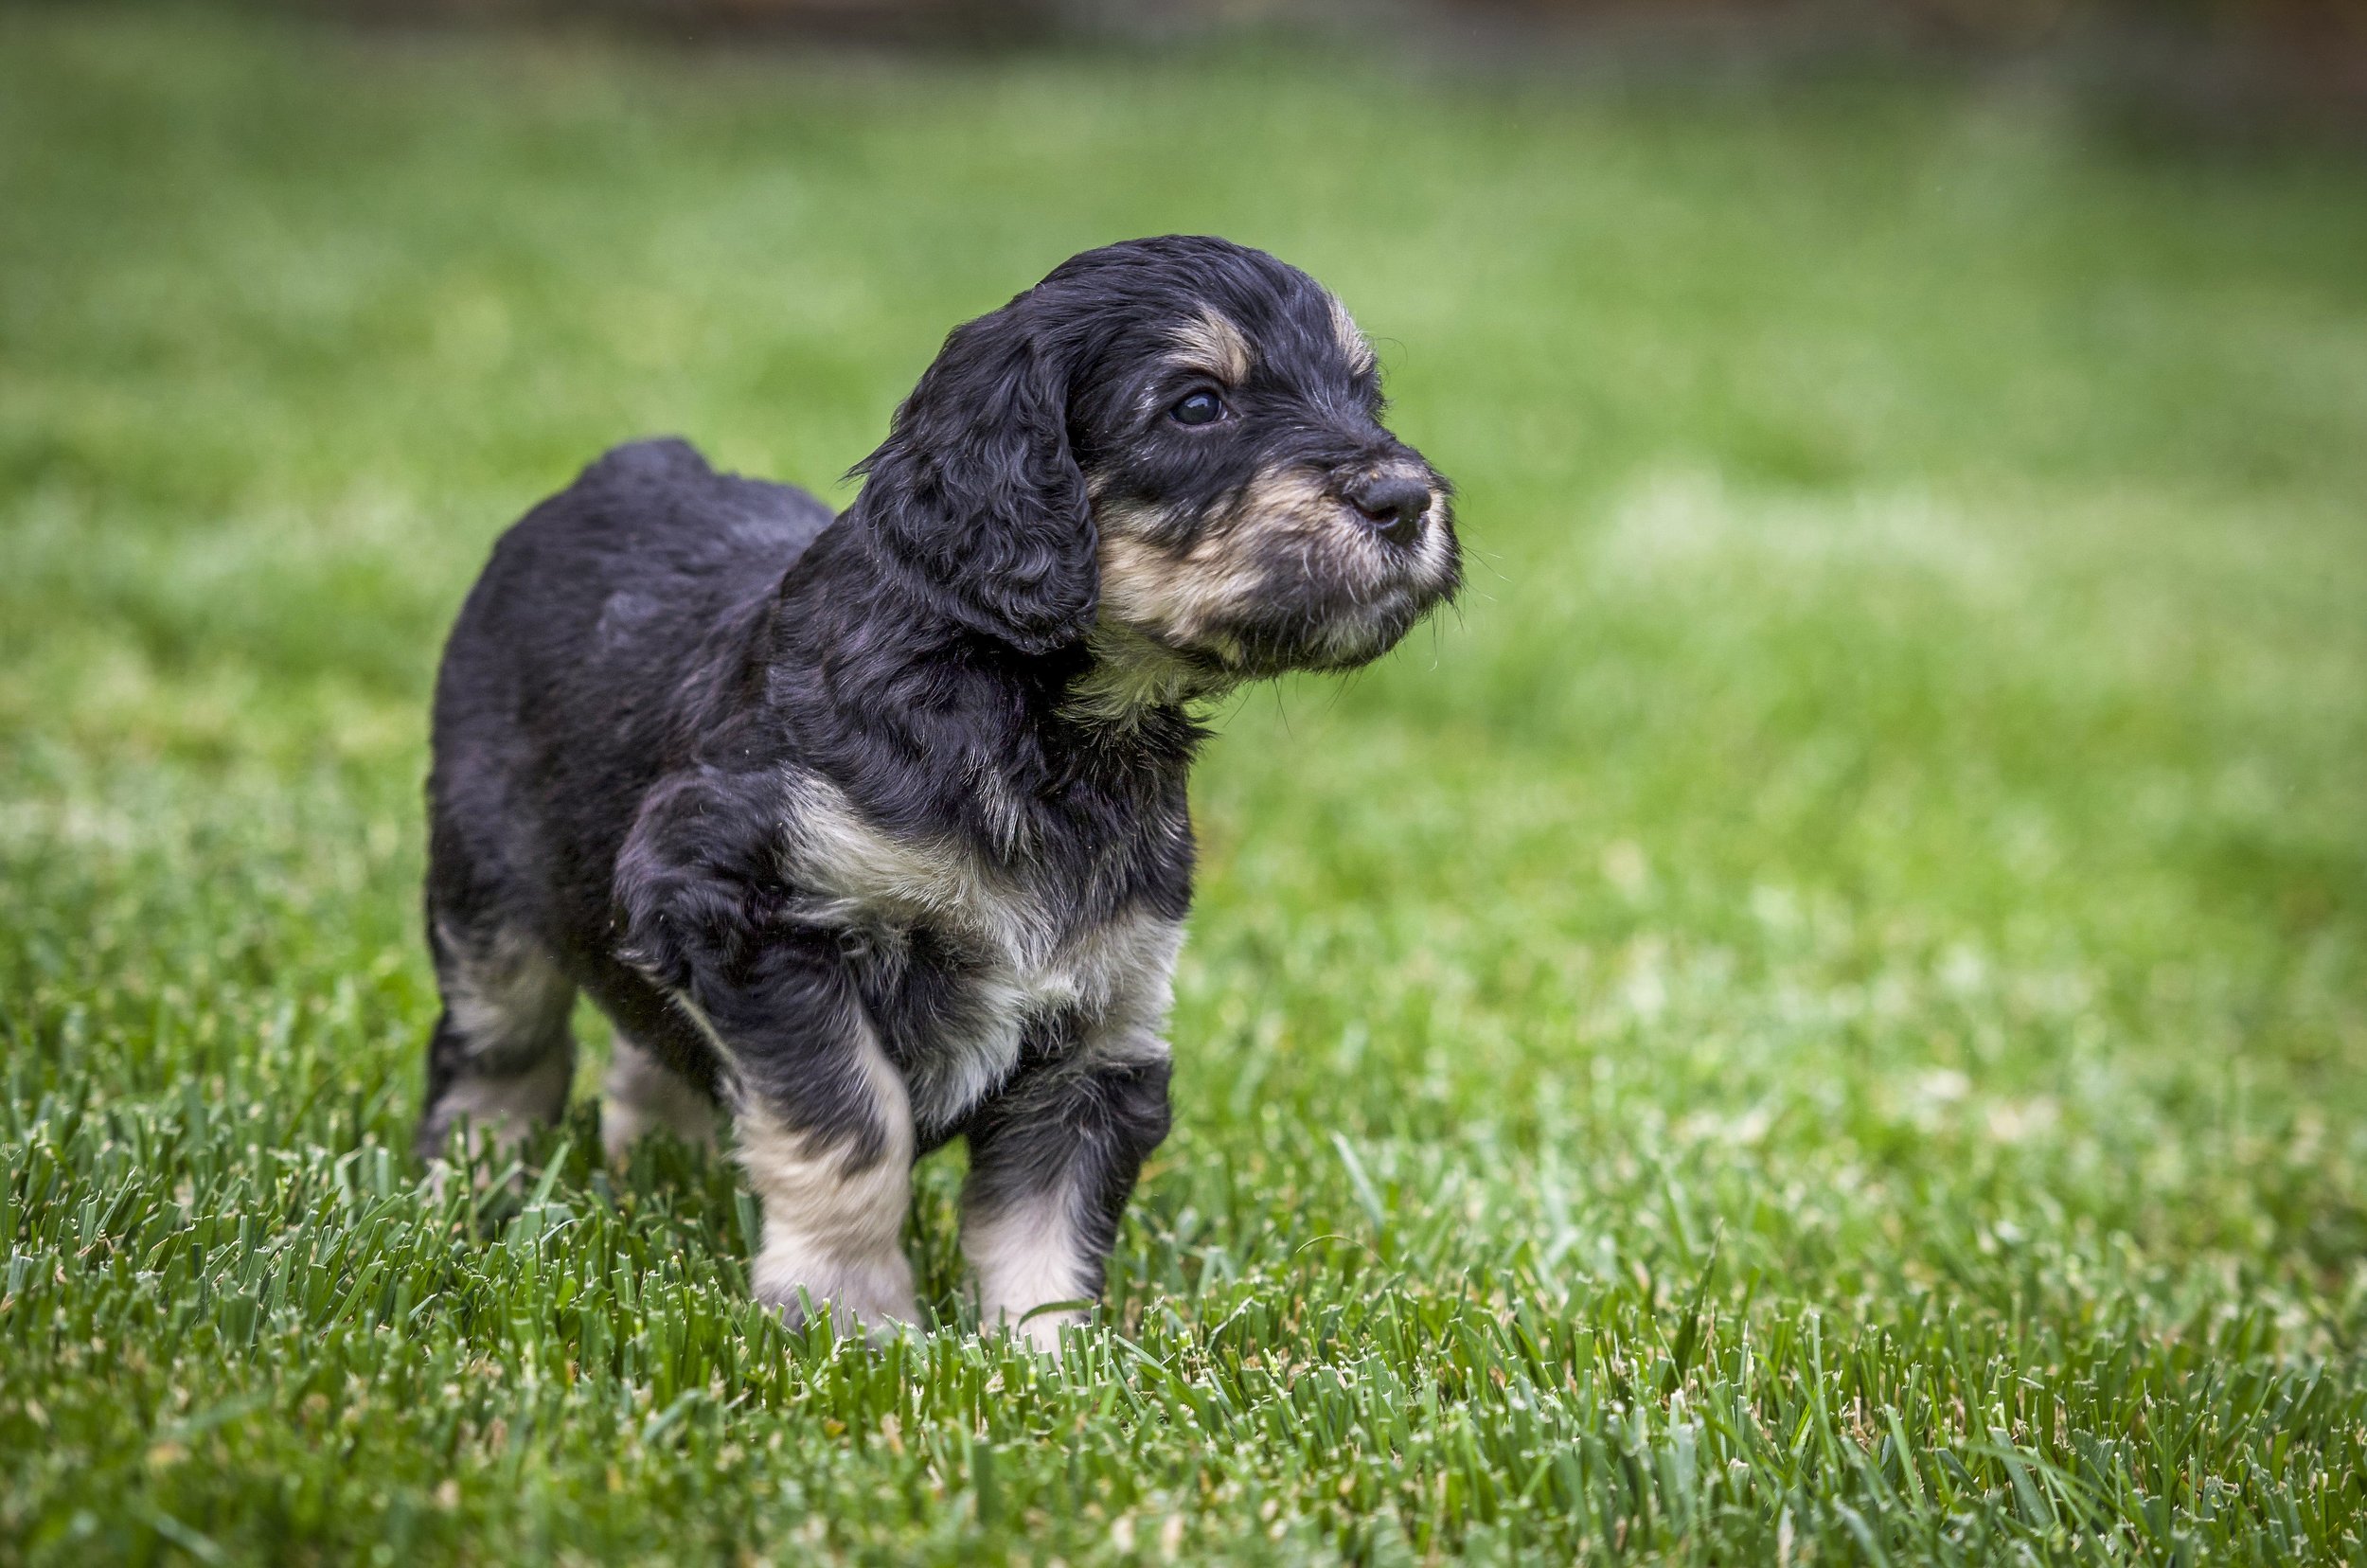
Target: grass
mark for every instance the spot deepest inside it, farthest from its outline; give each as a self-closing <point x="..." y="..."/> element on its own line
<point x="1822" y="1017"/>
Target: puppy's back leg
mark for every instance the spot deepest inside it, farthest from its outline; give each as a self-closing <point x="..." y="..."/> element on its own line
<point x="501" y="1058"/>
<point x="642" y="1094"/>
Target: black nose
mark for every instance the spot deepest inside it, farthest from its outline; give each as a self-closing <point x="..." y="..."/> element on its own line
<point x="1393" y="503"/>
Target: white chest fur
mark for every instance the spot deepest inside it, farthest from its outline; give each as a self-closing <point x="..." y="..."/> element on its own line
<point x="1112" y="976"/>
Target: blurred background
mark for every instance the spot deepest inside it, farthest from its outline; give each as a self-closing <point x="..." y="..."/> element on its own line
<point x="2231" y="56"/>
<point x="1893" y="797"/>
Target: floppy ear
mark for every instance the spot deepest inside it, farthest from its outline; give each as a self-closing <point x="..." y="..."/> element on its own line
<point x="975" y="501"/>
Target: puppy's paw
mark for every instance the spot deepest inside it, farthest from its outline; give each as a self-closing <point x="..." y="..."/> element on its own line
<point x="486" y="1160"/>
<point x="1040" y="1328"/>
<point x="642" y="1097"/>
<point x="873" y="1296"/>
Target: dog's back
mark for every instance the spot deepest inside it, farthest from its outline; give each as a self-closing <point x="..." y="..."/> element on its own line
<point x="605" y="575"/>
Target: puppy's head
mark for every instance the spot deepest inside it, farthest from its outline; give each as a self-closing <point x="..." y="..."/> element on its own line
<point x="1173" y="446"/>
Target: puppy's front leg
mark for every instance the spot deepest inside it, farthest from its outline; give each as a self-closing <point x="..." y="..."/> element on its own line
<point x="829" y="1151"/>
<point x="824" y="1122"/>
<point x="1052" y="1162"/>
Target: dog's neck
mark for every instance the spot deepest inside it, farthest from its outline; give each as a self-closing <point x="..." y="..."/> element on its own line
<point x="1022" y="748"/>
<point x="1132" y="679"/>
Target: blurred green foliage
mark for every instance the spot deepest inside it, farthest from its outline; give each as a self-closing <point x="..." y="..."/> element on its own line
<point x="1973" y="21"/>
<point x="1823" y="1012"/>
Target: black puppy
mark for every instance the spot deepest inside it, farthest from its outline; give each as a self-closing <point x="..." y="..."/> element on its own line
<point x="874" y="829"/>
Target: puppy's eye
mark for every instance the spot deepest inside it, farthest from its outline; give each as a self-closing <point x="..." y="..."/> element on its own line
<point x="1199" y="409"/>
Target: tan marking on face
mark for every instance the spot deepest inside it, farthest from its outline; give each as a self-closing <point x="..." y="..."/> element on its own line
<point x="1351" y="338"/>
<point x="1176" y="598"/>
<point x="1155" y="600"/>
<point x="1215" y="346"/>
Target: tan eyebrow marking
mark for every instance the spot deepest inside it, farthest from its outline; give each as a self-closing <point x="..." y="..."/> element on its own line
<point x="1215" y="345"/>
<point x="1351" y="338"/>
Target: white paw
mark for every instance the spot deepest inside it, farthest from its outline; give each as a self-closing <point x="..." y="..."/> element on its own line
<point x="873" y="1296"/>
<point x="642" y="1095"/>
<point x="1041" y="1329"/>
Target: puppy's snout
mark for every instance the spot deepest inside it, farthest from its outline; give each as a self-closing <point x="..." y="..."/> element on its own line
<point x="1393" y="504"/>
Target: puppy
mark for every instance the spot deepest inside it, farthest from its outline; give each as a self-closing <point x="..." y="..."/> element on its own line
<point x="871" y="831"/>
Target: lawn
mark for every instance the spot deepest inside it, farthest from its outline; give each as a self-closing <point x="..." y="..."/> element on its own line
<point x="1821" y="1015"/>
